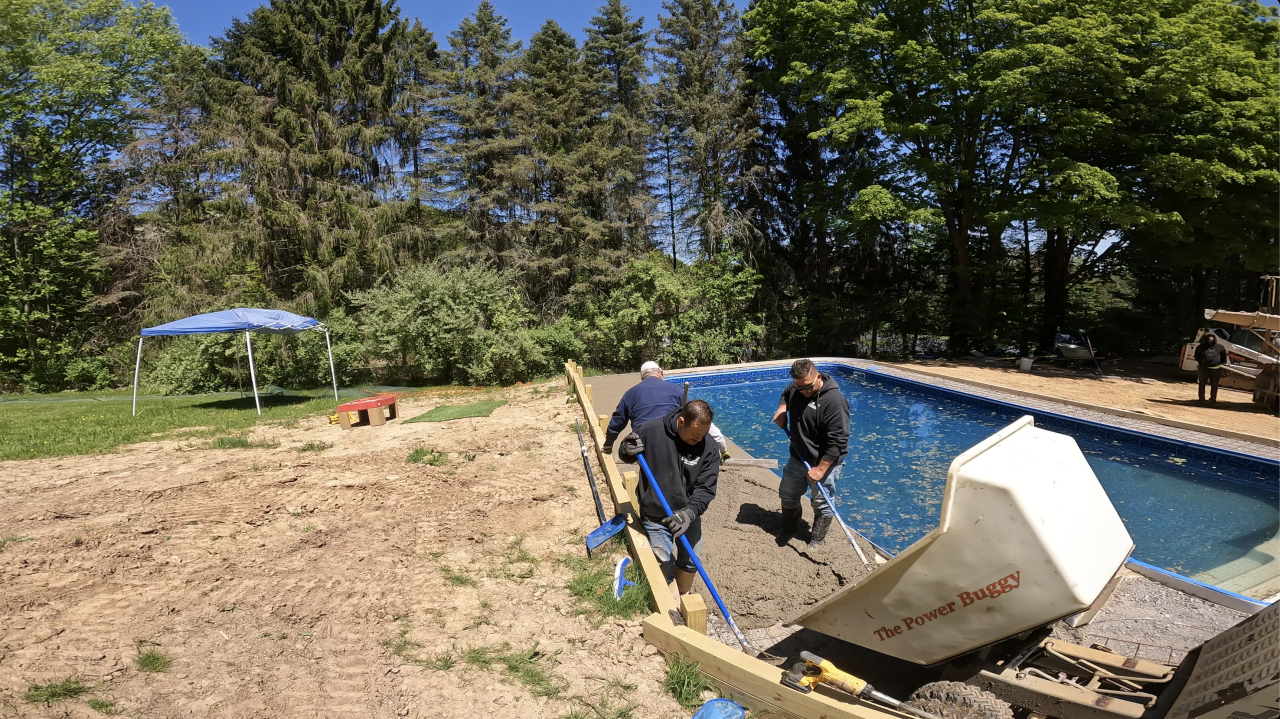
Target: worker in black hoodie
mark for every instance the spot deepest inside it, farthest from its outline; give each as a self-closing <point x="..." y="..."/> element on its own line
<point x="687" y="467"/>
<point x="1210" y="356"/>
<point x="819" y="419"/>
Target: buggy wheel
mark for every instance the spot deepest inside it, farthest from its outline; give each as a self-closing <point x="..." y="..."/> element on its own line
<point x="956" y="700"/>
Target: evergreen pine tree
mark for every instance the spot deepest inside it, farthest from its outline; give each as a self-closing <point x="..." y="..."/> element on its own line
<point x="615" y="56"/>
<point x="418" y="66"/>
<point x="557" y="173"/>
<point x="481" y="68"/>
<point x="708" y="120"/>
<point x="307" y="121"/>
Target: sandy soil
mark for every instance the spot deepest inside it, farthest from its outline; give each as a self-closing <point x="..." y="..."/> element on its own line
<point x="1135" y="386"/>
<point x="274" y="579"/>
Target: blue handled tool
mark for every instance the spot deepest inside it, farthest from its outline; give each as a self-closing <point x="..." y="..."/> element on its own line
<point x="831" y="503"/>
<point x="608" y="529"/>
<point x="724" y="611"/>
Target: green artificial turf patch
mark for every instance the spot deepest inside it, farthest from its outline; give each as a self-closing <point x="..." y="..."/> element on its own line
<point x="459" y="411"/>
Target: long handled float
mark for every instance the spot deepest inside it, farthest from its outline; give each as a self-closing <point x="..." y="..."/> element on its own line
<point x="724" y="611"/>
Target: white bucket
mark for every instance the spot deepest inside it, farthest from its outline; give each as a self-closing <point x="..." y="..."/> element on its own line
<point x="1024" y="364"/>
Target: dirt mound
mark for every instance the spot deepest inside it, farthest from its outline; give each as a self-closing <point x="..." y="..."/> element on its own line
<point x="763" y="576"/>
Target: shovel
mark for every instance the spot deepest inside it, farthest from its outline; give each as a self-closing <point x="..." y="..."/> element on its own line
<point x="606" y="530"/>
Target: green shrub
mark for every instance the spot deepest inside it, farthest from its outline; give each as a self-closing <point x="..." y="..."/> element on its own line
<point x="697" y="316"/>
<point x="197" y="364"/>
<point x="89" y="373"/>
<point x="464" y="325"/>
<point x="560" y="342"/>
<point x="302" y="360"/>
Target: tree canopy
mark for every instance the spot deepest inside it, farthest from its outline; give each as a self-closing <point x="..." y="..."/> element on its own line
<point x="849" y="177"/>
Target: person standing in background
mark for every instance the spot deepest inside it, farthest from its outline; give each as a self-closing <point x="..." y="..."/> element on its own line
<point x="653" y="397"/>
<point x="1210" y="356"/>
<point x="819" y="422"/>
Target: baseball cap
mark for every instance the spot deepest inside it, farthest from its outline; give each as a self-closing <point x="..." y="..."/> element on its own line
<point x="650" y="367"/>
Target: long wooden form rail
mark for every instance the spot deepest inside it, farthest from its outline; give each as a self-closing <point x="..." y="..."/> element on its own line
<point x="744" y="679"/>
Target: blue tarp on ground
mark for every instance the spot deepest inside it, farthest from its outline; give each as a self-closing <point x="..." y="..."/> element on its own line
<point x="241" y="319"/>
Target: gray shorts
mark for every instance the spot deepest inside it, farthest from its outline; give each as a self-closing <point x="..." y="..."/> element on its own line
<point x="664" y="547"/>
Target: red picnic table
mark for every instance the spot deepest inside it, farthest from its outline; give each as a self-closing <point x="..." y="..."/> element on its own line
<point x="369" y="410"/>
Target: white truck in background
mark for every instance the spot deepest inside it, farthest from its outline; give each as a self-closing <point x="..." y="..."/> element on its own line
<point x="1253" y="350"/>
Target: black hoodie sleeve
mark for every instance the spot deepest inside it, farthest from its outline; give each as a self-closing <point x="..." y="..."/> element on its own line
<point x="836" y="419"/>
<point x="704" y="485"/>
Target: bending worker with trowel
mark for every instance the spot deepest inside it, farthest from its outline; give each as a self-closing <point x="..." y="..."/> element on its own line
<point x="686" y="465"/>
<point x="819" y="419"/>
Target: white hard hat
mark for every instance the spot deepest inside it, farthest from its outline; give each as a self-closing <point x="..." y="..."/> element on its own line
<point x="650" y="367"/>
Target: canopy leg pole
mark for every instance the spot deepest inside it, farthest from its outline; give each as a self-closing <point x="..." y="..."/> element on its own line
<point x="136" y="366"/>
<point x="332" y="372"/>
<point x="253" y="377"/>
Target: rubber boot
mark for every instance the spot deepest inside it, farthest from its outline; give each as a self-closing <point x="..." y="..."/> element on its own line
<point x="791" y="520"/>
<point x="818" y="534"/>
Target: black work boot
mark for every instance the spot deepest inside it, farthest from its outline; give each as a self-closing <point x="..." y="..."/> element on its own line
<point x="818" y="534"/>
<point x="790" y="520"/>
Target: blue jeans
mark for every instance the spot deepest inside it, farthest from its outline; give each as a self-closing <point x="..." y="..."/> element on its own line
<point x="664" y="547"/>
<point x="795" y="482"/>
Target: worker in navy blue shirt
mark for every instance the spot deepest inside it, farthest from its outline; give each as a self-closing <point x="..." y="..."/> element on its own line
<point x="818" y="415"/>
<point x="654" y="397"/>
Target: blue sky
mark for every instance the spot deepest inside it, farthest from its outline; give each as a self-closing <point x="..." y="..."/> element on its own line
<point x="200" y="19"/>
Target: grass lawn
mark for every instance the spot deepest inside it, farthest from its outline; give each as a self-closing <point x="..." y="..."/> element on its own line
<point x="56" y="428"/>
<point x="458" y="411"/>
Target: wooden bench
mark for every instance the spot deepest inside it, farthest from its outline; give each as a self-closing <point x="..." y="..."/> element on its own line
<point x="369" y="410"/>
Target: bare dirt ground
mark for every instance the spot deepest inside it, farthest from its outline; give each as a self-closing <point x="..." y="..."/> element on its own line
<point x="303" y="584"/>
<point x="1136" y="386"/>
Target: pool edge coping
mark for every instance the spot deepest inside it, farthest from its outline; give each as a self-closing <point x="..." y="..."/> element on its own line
<point x="861" y="365"/>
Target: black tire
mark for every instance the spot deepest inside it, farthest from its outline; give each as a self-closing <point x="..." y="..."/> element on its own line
<point x="956" y="700"/>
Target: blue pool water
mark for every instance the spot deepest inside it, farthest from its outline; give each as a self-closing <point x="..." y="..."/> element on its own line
<point x="1188" y="509"/>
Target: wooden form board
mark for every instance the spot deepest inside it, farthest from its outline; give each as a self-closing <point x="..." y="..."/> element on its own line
<point x="636" y="538"/>
<point x="753" y="683"/>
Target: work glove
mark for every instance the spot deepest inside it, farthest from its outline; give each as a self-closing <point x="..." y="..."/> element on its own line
<point x="680" y="522"/>
<point x="632" y="446"/>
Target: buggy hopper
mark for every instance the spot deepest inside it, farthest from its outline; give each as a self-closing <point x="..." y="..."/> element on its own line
<point x="1027" y="536"/>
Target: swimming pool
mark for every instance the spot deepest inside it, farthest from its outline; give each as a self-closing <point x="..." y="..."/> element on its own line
<point x="1202" y="513"/>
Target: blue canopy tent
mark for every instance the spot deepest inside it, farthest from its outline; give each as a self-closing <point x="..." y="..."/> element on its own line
<point x="241" y="319"/>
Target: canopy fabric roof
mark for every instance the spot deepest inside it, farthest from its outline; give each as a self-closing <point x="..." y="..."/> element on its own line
<point x="240" y="319"/>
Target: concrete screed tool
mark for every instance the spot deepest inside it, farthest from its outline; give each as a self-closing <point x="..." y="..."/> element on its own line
<point x="608" y="529"/>
<point x="815" y="670"/>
